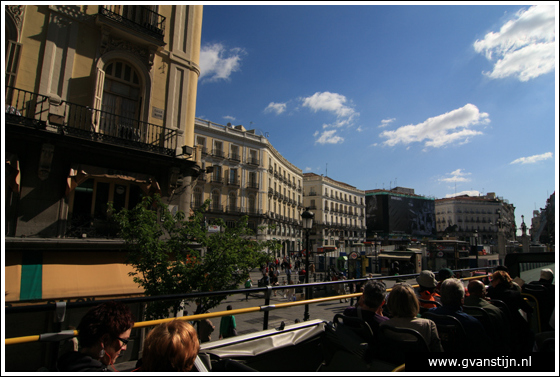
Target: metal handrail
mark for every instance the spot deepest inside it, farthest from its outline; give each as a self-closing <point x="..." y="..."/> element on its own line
<point x="263" y="308"/>
<point x="39" y="111"/>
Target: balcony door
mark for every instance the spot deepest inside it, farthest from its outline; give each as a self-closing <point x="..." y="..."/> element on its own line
<point x="121" y="101"/>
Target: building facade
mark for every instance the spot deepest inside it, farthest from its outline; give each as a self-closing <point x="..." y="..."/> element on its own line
<point x="245" y="175"/>
<point x="543" y="223"/>
<point x="339" y="210"/>
<point x="100" y="103"/>
<point x="399" y="215"/>
<point x="490" y="216"/>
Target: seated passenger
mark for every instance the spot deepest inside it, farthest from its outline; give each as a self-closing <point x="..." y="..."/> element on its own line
<point x="513" y="283"/>
<point x="546" y="279"/>
<point x="170" y="347"/>
<point x="444" y="273"/>
<point x="102" y="334"/>
<point x="477" y="297"/>
<point x="426" y="291"/>
<point x="545" y="297"/>
<point x="404" y="308"/>
<point x="370" y="305"/>
<point x="452" y="299"/>
<point x="503" y="289"/>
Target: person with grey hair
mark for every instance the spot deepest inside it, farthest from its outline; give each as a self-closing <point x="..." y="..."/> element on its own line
<point x="370" y="305"/>
<point x="452" y="295"/>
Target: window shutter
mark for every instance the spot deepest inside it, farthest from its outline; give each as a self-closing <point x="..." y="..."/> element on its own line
<point x="100" y="82"/>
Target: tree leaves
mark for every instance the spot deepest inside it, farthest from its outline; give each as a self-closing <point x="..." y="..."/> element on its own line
<point x="172" y="254"/>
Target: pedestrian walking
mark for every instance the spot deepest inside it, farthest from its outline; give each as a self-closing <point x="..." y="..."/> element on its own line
<point x="205" y="329"/>
<point x="248" y="284"/>
<point x="228" y="326"/>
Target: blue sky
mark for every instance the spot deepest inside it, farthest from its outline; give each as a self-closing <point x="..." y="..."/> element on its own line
<point x="444" y="99"/>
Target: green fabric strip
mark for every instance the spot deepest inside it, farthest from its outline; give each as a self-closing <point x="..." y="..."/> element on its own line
<point x="31" y="287"/>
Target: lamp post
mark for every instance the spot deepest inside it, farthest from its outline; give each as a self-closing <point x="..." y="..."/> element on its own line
<point x="307" y="222"/>
<point x="475" y="238"/>
<point x="376" y="255"/>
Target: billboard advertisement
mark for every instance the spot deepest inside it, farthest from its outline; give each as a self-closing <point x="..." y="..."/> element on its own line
<point x="409" y="215"/>
<point x="399" y="214"/>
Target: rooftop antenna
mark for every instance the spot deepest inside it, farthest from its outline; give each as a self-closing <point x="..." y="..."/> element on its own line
<point x="327" y="170"/>
<point x="395" y="182"/>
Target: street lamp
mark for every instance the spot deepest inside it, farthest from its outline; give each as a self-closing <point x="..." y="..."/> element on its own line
<point x="475" y="238"/>
<point x="376" y="255"/>
<point x="307" y="223"/>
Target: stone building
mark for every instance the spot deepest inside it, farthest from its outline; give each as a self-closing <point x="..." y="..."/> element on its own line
<point x="489" y="215"/>
<point x="339" y="210"/>
<point x="245" y="175"/>
<point x="100" y="103"/>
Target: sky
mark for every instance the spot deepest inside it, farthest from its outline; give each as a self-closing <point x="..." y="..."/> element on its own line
<point x="445" y="99"/>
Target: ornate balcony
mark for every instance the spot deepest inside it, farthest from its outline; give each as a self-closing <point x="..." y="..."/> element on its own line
<point x="37" y="111"/>
<point x="136" y="17"/>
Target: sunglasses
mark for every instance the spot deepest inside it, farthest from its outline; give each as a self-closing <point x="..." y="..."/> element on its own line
<point x="124" y="341"/>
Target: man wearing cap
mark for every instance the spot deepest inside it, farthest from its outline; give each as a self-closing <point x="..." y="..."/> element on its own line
<point x="426" y="291"/>
<point x="547" y="276"/>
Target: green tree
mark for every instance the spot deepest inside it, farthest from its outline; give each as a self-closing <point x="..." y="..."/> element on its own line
<point x="173" y="254"/>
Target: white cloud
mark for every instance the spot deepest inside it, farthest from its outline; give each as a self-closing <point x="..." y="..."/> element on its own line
<point x="328" y="137"/>
<point x="327" y="101"/>
<point x="308" y="169"/>
<point x="229" y="117"/>
<point x="217" y="62"/>
<point x="440" y="130"/>
<point x="468" y="192"/>
<point x="337" y="105"/>
<point x="524" y="47"/>
<point x="277" y="108"/>
<point x="386" y="122"/>
<point x="456" y="176"/>
<point x="532" y="159"/>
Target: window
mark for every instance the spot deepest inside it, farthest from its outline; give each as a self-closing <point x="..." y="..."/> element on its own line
<point x="234" y="155"/>
<point x="218" y="149"/>
<point x="253" y="180"/>
<point x="202" y="142"/>
<point x="90" y="198"/>
<point x="216" y="200"/>
<point x="197" y="197"/>
<point x="252" y="204"/>
<point x="217" y="173"/>
<point x="232" y="177"/>
<point x="232" y="202"/>
<point x="121" y="100"/>
<point x="253" y="157"/>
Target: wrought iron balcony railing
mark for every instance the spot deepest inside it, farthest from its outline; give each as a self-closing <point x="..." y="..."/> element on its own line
<point x="136" y="17"/>
<point x="38" y="111"/>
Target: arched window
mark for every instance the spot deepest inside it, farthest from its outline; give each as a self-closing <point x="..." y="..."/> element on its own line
<point x="121" y="100"/>
<point x="216" y="200"/>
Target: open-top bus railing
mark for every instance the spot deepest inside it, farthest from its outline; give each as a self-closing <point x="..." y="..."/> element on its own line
<point x="266" y="308"/>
